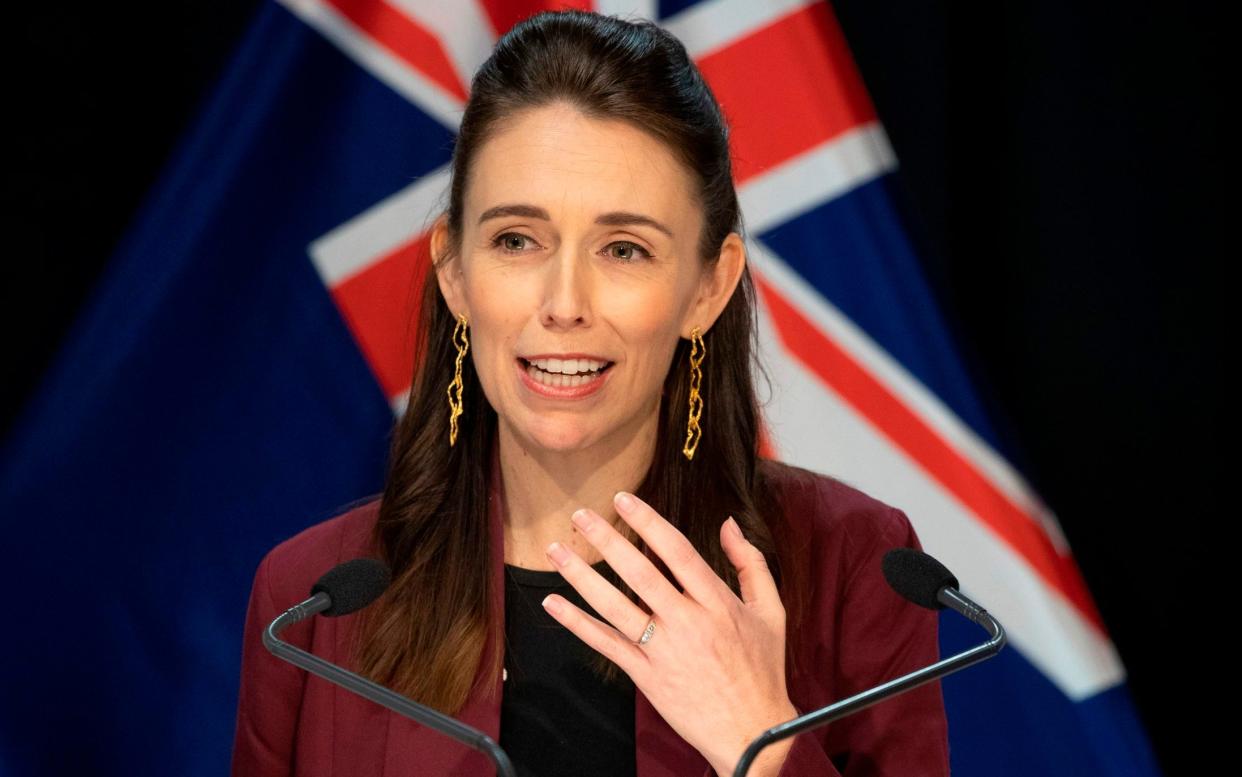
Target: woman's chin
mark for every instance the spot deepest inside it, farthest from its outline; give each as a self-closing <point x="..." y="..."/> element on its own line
<point x="560" y="443"/>
<point x="559" y="438"/>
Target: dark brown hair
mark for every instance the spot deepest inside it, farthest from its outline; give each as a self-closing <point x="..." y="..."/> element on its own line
<point x="425" y="637"/>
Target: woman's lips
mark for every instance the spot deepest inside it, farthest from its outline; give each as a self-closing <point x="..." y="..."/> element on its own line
<point x="562" y="392"/>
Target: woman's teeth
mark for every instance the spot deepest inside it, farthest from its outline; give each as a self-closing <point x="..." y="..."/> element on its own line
<point x="565" y="372"/>
<point x="568" y="366"/>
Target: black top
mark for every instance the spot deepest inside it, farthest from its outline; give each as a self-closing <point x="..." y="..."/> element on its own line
<point x="557" y="717"/>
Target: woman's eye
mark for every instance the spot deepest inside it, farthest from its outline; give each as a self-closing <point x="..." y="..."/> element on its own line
<point x="632" y="247"/>
<point x="508" y="238"/>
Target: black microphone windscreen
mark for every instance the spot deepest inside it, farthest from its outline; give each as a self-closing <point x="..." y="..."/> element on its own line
<point x="917" y="576"/>
<point x="353" y="585"/>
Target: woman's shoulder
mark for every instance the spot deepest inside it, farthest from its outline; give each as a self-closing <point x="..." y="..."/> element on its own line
<point x="856" y="630"/>
<point x="829" y="512"/>
<point x="293" y="565"/>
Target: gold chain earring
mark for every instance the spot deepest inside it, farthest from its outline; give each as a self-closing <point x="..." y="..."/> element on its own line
<point x="697" y="351"/>
<point x="463" y="345"/>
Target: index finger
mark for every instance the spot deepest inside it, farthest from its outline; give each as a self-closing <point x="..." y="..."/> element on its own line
<point x="696" y="576"/>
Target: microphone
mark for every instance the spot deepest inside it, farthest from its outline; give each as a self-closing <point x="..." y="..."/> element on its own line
<point x="920" y="579"/>
<point x="346" y="588"/>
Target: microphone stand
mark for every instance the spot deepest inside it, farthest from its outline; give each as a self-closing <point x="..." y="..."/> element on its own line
<point x="949" y="597"/>
<point x="471" y="737"/>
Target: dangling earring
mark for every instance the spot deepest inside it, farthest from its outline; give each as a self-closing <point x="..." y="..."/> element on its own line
<point x="697" y="351"/>
<point x="463" y="345"/>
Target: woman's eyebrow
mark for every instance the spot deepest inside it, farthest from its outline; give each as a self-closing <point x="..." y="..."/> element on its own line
<point x="611" y="219"/>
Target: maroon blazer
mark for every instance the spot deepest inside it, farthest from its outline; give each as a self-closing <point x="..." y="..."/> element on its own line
<point x="292" y="723"/>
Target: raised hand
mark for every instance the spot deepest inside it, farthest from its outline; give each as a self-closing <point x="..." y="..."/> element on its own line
<point x="713" y="665"/>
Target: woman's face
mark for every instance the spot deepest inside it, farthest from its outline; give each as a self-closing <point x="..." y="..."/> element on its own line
<point x="579" y="240"/>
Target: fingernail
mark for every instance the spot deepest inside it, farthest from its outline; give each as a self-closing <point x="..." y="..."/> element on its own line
<point x="737" y="530"/>
<point x="558" y="554"/>
<point x="624" y="502"/>
<point x="551" y="604"/>
<point x="582" y="519"/>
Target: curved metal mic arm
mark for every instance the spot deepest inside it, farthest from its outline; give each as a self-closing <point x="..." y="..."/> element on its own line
<point x="950" y="598"/>
<point x="438" y="721"/>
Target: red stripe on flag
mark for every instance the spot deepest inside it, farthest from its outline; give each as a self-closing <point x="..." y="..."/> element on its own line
<point x="380" y="305"/>
<point x="406" y="39"/>
<point x="837" y="369"/>
<point x="786" y="88"/>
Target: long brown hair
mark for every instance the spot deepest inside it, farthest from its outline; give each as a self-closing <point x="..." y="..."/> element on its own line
<point x="426" y="636"/>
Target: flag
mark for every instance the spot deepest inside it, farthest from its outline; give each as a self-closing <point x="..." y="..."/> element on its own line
<point x="235" y="376"/>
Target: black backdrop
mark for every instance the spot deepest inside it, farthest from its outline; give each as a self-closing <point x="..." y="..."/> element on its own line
<point x="1061" y="161"/>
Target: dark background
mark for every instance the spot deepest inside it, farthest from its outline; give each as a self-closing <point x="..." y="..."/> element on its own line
<point x="1061" y="163"/>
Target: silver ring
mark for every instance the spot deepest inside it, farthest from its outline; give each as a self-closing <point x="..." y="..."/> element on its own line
<point x="647" y="632"/>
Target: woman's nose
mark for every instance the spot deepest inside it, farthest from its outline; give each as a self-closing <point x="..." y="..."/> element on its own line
<point x="567" y="291"/>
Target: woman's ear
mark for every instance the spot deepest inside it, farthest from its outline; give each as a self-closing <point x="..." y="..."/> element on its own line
<point x="717" y="285"/>
<point x="448" y="273"/>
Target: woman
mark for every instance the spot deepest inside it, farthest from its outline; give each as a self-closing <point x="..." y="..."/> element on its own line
<point x="564" y="576"/>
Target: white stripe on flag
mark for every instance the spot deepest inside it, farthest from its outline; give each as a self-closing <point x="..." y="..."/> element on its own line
<point x="814" y="427"/>
<point x="810" y="179"/>
<point x="712" y="25"/>
<point x="381" y="229"/>
<point x="463" y="28"/>
<point x="379" y="61"/>
<point x="628" y="9"/>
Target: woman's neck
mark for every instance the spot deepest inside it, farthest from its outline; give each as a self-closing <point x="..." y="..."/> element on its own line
<point x="543" y="488"/>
